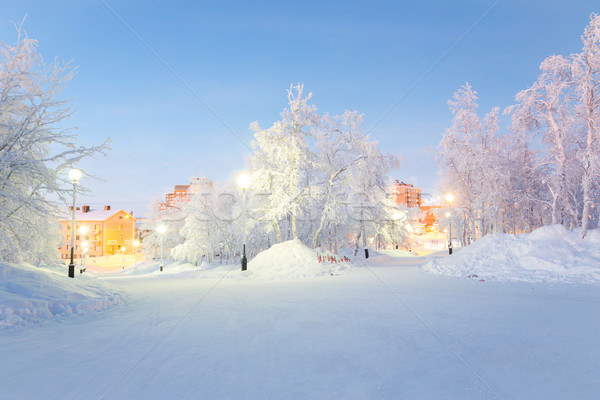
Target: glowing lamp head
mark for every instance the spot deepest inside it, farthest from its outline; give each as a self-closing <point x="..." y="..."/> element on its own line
<point x="449" y="198"/>
<point x="448" y="214"/>
<point x="83" y="229"/>
<point x="75" y="175"/>
<point x="123" y="248"/>
<point x="244" y="181"/>
<point x="161" y="229"/>
<point x="136" y="243"/>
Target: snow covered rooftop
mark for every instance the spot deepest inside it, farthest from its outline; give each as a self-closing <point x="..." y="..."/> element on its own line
<point x="92" y="215"/>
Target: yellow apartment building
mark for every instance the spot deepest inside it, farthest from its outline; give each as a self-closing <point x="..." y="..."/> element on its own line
<point x="106" y="232"/>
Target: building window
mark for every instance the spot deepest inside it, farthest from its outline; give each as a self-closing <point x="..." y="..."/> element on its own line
<point x="121" y="227"/>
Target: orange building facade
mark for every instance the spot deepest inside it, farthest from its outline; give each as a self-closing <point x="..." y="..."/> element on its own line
<point x="107" y="232"/>
<point x="407" y="195"/>
<point x="182" y="194"/>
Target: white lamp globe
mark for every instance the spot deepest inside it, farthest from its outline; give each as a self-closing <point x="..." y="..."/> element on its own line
<point x="244" y="181"/>
<point x="75" y="175"/>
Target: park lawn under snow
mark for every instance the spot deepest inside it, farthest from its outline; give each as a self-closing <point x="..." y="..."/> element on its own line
<point x="383" y="329"/>
<point x="30" y="294"/>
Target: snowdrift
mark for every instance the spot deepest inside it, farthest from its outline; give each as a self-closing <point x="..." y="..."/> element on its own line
<point x="30" y="294"/>
<point x="292" y="260"/>
<point x="549" y="254"/>
<point x="284" y="261"/>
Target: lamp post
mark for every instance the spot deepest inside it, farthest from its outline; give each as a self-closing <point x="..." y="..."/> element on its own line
<point x="244" y="181"/>
<point x="161" y="229"/>
<point x="84" y="247"/>
<point x="83" y="230"/>
<point x="449" y="199"/>
<point x="74" y="176"/>
<point x="136" y="244"/>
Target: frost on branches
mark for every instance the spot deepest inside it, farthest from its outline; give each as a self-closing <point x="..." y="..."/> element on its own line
<point x="546" y="169"/>
<point x="35" y="151"/>
<point x="314" y="177"/>
<point x="317" y="176"/>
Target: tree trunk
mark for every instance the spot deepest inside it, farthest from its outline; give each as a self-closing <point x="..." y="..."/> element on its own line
<point x="277" y="231"/>
<point x="294" y="228"/>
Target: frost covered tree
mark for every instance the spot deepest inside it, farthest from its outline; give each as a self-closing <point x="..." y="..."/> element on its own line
<point x="35" y="150"/>
<point x="563" y="108"/>
<point x="282" y="158"/>
<point x="470" y="161"/>
<point x="211" y="224"/>
<point x="546" y="168"/>
<point x="586" y="72"/>
<point x="347" y="164"/>
<point x="312" y="172"/>
<point x="314" y="177"/>
<point x="172" y="219"/>
<point x="545" y="109"/>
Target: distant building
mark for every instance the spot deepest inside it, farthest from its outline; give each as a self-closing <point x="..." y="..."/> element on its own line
<point x="107" y="231"/>
<point x="182" y="194"/>
<point x="406" y="195"/>
<point x="428" y="217"/>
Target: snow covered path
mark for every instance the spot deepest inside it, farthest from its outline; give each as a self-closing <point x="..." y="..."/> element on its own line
<point x="389" y="332"/>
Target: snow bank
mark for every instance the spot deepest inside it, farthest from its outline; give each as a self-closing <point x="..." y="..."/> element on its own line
<point x="31" y="294"/>
<point x="549" y="254"/>
<point x="283" y="261"/>
<point x="292" y="260"/>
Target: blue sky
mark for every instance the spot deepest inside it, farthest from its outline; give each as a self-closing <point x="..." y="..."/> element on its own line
<point x="241" y="57"/>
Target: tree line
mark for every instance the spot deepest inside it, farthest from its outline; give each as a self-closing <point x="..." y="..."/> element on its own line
<point x="313" y="177"/>
<point x="545" y="170"/>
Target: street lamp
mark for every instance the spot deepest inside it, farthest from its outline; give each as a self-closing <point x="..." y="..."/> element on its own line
<point x="136" y="244"/>
<point x="161" y="229"/>
<point x="449" y="199"/>
<point x="123" y="248"/>
<point x="74" y="176"/>
<point x="244" y="181"/>
<point x="83" y="230"/>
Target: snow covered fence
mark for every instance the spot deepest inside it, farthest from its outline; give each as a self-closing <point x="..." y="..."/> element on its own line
<point x="331" y="258"/>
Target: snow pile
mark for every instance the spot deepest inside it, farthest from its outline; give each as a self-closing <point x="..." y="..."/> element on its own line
<point x="292" y="260"/>
<point x="549" y="254"/>
<point x="31" y="294"/>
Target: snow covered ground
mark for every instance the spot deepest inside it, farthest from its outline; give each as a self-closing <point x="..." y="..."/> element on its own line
<point x="29" y="294"/>
<point x="383" y="329"/>
<point x="548" y="254"/>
